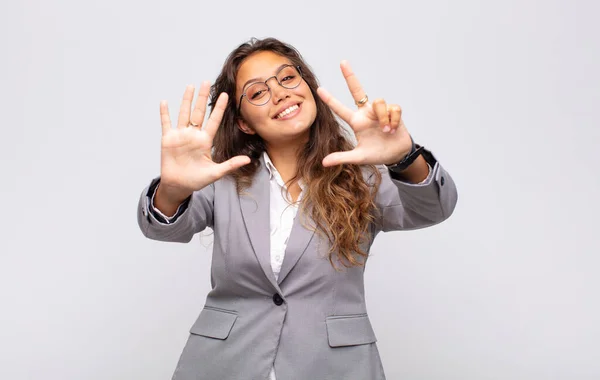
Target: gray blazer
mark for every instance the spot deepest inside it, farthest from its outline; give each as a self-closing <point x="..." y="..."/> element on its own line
<point x="311" y="323"/>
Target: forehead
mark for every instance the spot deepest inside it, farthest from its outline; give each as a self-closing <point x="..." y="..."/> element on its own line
<point x="259" y="66"/>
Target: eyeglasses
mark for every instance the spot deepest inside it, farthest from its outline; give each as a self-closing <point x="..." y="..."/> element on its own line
<point x="259" y="93"/>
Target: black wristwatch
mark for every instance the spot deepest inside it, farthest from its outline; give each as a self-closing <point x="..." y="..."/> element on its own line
<point x="415" y="151"/>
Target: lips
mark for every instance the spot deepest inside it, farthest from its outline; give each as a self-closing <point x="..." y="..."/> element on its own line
<point x="287" y="110"/>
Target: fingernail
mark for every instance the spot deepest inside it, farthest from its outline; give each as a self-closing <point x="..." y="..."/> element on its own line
<point x="393" y="131"/>
<point x="386" y="128"/>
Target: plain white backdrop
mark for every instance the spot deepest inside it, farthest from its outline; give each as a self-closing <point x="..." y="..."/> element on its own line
<point x="505" y="93"/>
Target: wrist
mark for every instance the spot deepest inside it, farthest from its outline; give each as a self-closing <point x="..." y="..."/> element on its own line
<point x="413" y="148"/>
<point x="417" y="172"/>
<point x="406" y="161"/>
<point x="171" y="195"/>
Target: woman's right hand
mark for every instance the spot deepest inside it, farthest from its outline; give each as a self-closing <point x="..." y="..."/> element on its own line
<point x="186" y="164"/>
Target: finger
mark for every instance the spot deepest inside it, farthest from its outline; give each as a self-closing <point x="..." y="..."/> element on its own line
<point x="230" y="165"/>
<point x="216" y="115"/>
<point x="353" y="156"/>
<point x="352" y="81"/>
<point x="186" y="105"/>
<point x="197" y="116"/>
<point x="380" y="109"/>
<point x="344" y="112"/>
<point x="165" y="120"/>
<point x="395" y="113"/>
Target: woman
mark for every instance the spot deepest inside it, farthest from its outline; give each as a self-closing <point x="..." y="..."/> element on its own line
<point x="287" y="298"/>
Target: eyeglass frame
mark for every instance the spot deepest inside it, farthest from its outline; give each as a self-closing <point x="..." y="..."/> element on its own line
<point x="297" y="67"/>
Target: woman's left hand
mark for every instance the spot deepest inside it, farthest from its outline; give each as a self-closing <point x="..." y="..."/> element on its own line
<point x="381" y="134"/>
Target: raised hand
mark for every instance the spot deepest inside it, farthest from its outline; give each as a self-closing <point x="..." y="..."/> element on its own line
<point x="186" y="164"/>
<point x="381" y="135"/>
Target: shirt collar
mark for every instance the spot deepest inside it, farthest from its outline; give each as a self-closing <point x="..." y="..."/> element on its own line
<point x="269" y="164"/>
<point x="272" y="169"/>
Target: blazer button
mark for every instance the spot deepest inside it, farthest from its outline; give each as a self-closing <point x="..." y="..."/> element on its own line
<point x="442" y="180"/>
<point x="277" y="300"/>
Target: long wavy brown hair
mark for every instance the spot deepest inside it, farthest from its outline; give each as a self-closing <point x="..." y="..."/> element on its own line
<point x="338" y="198"/>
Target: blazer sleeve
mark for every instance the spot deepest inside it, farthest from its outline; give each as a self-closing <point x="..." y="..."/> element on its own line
<point x="406" y="206"/>
<point x="196" y="216"/>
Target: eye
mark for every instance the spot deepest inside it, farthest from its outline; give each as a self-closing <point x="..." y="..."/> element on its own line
<point x="257" y="94"/>
<point x="288" y="78"/>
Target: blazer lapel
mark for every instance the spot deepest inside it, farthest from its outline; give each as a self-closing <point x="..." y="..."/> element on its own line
<point x="297" y="243"/>
<point x="255" y="203"/>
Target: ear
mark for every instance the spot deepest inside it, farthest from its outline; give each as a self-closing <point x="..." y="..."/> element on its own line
<point x="245" y="127"/>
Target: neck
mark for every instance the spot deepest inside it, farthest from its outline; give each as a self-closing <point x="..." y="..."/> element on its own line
<point x="285" y="158"/>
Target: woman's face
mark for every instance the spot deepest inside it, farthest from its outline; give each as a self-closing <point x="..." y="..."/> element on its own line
<point x="274" y="121"/>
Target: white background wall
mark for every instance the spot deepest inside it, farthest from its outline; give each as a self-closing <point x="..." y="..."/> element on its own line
<point x="503" y="92"/>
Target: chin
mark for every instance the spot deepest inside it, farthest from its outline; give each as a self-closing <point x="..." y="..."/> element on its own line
<point x="301" y="125"/>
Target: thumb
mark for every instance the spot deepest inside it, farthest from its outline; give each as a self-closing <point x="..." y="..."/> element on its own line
<point x="349" y="157"/>
<point x="230" y="165"/>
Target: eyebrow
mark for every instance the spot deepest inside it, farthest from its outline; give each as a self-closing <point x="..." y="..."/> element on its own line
<point x="260" y="78"/>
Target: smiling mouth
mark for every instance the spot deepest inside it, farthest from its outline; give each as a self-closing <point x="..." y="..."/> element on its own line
<point x="288" y="112"/>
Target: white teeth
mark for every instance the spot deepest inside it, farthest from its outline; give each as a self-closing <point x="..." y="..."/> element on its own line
<point x="287" y="111"/>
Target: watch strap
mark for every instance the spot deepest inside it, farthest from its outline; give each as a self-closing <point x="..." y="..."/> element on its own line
<point x="407" y="161"/>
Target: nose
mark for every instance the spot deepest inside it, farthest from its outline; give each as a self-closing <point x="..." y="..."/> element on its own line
<point x="278" y="92"/>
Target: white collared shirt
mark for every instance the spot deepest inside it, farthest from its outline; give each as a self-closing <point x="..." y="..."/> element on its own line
<point x="282" y="213"/>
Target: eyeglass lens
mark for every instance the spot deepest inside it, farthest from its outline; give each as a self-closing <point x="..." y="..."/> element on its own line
<point x="258" y="93"/>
